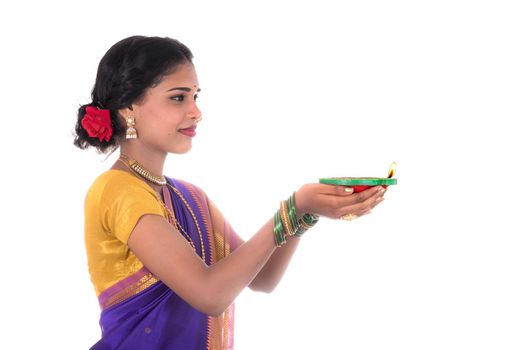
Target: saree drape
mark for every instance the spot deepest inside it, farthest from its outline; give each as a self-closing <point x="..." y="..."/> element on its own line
<point x="141" y="312"/>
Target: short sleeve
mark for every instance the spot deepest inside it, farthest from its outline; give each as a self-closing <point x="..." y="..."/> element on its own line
<point x="124" y="203"/>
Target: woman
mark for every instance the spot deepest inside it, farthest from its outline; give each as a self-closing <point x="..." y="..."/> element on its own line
<point x="165" y="264"/>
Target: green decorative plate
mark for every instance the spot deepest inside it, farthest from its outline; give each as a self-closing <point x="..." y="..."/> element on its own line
<point x="359" y="184"/>
<point x="358" y="181"/>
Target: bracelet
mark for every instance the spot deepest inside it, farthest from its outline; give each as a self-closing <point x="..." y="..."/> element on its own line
<point x="292" y="213"/>
<point x="280" y="238"/>
<point x="285" y="222"/>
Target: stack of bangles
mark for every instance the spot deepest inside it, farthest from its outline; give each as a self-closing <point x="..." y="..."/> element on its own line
<point x="286" y="224"/>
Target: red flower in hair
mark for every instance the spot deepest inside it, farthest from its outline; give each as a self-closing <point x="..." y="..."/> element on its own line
<point x="97" y="123"/>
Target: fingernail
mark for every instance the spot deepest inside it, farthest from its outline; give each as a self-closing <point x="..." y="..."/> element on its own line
<point x="380" y="199"/>
<point x="348" y="189"/>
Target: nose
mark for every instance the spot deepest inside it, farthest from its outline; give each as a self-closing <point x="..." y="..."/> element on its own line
<point x="195" y="113"/>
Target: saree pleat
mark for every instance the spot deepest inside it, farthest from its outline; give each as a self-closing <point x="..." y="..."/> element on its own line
<point x="141" y="312"/>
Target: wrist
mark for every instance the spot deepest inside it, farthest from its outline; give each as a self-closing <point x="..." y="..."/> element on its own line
<point x="300" y="203"/>
<point x="292" y="219"/>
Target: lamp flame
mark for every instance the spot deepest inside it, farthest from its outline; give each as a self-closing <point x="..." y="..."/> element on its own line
<point x="392" y="169"/>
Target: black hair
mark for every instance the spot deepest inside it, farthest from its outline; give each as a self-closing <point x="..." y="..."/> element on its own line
<point x="126" y="71"/>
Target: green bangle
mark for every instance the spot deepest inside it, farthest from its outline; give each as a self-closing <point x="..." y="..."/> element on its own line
<point x="302" y="228"/>
<point x="280" y="238"/>
<point x="306" y="222"/>
<point x="275" y="224"/>
<point x="281" y="229"/>
<point x="292" y="213"/>
<point x="310" y="219"/>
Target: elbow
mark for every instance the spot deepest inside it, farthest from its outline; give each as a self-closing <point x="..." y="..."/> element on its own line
<point x="262" y="288"/>
<point x="214" y="306"/>
<point x="208" y="296"/>
<point x="215" y="312"/>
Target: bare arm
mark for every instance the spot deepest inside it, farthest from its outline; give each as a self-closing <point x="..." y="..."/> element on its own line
<point x="211" y="289"/>
<point x="273" y="271"/>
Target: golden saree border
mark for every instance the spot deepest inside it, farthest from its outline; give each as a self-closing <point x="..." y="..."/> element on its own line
<point x="220" y="328"/>
<point x="127" y="288"/>
<point x="200" y="201"/>
<point x="227" y="318"/>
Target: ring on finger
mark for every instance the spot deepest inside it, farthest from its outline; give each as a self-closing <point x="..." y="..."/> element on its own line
<point x="349" y="217"/>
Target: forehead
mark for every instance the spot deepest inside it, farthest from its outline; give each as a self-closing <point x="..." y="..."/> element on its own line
<point x="184" y="76"/>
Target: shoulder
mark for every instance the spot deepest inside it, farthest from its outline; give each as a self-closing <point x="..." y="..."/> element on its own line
<point x="117" y="200"/>
<point x="188" y="185"/>
<point x="190" y="188"/>
<point x="113" y="184"/>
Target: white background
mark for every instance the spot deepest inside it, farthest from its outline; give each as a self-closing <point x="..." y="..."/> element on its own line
<point x="292" y="91"/>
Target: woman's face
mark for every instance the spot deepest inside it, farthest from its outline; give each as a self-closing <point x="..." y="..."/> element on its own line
<point x="166" y="118"/>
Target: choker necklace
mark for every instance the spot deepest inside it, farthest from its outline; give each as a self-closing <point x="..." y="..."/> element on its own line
<point x="138" y="169"/>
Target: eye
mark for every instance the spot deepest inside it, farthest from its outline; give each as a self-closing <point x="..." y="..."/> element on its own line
<point x="178" y="98"/>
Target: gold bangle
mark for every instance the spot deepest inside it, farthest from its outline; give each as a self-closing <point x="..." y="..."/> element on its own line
<point x="285" y="219"/>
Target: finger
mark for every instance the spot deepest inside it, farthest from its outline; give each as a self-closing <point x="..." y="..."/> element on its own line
<point x="377" y="202"/>
<point x="378" y="189"/>
<point x="366" y="195"/>
<point x="364" y="213"/>
<point x="344" y="190"/>
<point x="348" y="190"/>
<point x="336" y="190"/>
<point x="356" y="215"/>
<point x="362" y="207"/>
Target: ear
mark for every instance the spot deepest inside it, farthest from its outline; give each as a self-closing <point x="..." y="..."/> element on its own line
<point x="127" y="112"/>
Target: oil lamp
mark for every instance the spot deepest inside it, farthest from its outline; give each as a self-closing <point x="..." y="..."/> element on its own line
<point x="360" y="184"/>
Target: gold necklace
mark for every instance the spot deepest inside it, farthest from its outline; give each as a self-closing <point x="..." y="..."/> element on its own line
<point x="137" y="168"/>
<point x="129" y="163"/>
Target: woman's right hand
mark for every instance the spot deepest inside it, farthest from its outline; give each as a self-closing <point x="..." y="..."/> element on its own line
<point x="335" y="201"/>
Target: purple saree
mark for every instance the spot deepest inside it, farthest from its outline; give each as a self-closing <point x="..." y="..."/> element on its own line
<point x="141" y="312"/>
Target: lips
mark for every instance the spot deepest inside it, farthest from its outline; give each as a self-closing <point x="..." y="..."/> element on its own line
<point x="188" y="131"/>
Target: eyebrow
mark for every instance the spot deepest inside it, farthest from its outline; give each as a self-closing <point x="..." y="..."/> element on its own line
<point x="186" y="89"/>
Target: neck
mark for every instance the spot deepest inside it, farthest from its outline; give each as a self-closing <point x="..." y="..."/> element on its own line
<point x="153" y="161"/>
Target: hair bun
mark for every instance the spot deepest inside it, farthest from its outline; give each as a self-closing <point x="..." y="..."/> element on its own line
<point x="96" y="128"/>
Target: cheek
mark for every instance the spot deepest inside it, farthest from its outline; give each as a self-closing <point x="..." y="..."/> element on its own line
<point x="167" y="127"/>
<point x="161" y="119"/>
<point x="155" y="119"/>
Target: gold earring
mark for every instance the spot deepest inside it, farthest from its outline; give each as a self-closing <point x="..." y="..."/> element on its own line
<point x="131" y="131"/>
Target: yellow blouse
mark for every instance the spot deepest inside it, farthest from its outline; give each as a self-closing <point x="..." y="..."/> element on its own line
<point x="114" y="204"/>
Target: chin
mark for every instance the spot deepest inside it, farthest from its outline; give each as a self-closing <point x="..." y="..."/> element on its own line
<point x="180" y="150"/>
